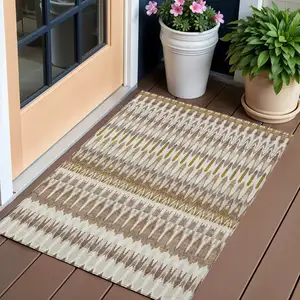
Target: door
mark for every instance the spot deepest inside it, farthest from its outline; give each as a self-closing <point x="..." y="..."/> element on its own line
<point x="64" y="58"/>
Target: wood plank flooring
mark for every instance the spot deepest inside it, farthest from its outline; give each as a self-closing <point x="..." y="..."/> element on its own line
<point x="266" y="241"/>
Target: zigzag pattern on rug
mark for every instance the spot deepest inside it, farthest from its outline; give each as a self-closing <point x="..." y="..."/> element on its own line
<point x="150" y="200"/>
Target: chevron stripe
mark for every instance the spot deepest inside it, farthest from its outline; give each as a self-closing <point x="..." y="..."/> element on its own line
<point x="151" y="199"/>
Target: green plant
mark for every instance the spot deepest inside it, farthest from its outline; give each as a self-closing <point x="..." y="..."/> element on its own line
<point x="267" y="42"/>
<point x="186" y="15"/>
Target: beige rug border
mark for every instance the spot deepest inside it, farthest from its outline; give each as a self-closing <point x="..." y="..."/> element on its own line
<point x="216" y="114"/>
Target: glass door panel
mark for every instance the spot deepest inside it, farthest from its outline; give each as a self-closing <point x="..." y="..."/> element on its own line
<point x="51" y="47"/>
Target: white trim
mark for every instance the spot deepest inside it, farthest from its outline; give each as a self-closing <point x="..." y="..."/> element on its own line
<point x="68" y="140"/>
<point x="6" y="188"/>
<point x="131" y="33"/>
<point x="245" y="10"/>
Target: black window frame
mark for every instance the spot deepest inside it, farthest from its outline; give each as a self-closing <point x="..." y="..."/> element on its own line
<point x="45" y="31"/>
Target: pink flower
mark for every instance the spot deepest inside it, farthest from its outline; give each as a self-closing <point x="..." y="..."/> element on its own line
<point x="198" y="6"/>
<point x="151" y="8"/>
<point x="176" y="10"/>
<point x="179" y="2"/>
<point x="219" y="17"/>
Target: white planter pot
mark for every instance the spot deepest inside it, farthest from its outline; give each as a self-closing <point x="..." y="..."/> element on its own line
<point x="188" y="57"/>
<point x="261" y="102"/>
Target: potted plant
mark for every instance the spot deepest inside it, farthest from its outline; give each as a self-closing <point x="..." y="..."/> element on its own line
<point x="266" y="48"/>
<point x="189" y="34"/>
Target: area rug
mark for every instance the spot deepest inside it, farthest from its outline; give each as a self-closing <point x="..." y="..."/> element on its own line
<point x="151" y="199"/>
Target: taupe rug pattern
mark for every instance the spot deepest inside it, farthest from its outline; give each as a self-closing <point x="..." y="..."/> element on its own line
<point x="150" y="200"/>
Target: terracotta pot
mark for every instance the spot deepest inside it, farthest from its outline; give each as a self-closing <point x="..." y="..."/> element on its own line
<point x="262" y="103"/>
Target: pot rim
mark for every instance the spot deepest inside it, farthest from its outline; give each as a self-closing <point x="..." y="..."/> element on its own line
<point x="264" y="77"/>
<point x="162" y="24"/>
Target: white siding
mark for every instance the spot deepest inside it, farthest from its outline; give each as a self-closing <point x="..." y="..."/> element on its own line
<point x="292" y="4"/>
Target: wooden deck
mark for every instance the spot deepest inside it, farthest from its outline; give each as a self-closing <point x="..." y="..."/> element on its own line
<point x="260" y="261"/>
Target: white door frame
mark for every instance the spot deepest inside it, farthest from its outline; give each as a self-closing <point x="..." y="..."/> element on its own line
<point x="7" y="186"/>
<point x="244" y="11"/>
<point x="131" y="37"/>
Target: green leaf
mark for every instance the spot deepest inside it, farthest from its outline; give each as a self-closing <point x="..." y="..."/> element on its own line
<point x="282" y="39"/>
<point x="286" y="56"/>
<point x="276" y="69"/>
<point x="256" y="42"/>
<point x="245" y="72"/>
<point x="271" y="27"/>
<point x="254" y="70"/>
<point x="234" y="58"/>
<point x="286" y="50"/>
<point x="262" y="58"/>
<point x="275" y="8"/>
<point x="294" y="24"/>
<point x="248" y="48"/>
<point x="278" y="51"/>
<point x="286" y="16"/>
<point x="227" y="37"/>
<point x="236" y="22"/>
<point x="274" y="59"/>
<point x="291" y="51"/>
<point x="257" y="12"/>
<point x="272" y="16"/>
<point x="281" y="26"/>
<point x="253" y="61"/>
<point x="263" y="24"/>
<point x="297" y="77"/>
<point x="270" y="76"/>
<point x="277" y="44"/>
<point x="272" y="33"/>
<point x="291" y="65"/>
<point x="245" y="60"/>
<point x="270" y="40"/>
<point x="277" y="84"/>
<point x="285" y="78"/>
<point x="233" y="68"/>
<point x="297" y="48"/>
<point x="297" y="60"/>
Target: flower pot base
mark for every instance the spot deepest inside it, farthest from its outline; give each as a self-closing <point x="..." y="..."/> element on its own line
<point x="269" y="118"/>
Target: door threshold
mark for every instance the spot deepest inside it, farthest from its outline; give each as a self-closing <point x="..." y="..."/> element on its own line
<point x="67" y="141"/>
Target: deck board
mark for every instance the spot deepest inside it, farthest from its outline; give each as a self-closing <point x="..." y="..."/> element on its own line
<point x="240" y="114"/>
<point x="289" y="127"/>
<point x="161" y="89"/>
<point x="246" y="247"/>
<point x="278" y="273"/>
<point x="296" y="293"/>
<point x="213" y="89"/>
<point x="151" y="79"/>
<point x="2" y="239"/>
<point x="82" y="285"/>
<point x="14" y="261"/>
<point x="228" y="101"/>
<point x="120" y="293"/>
<point x="40" y="281"/>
